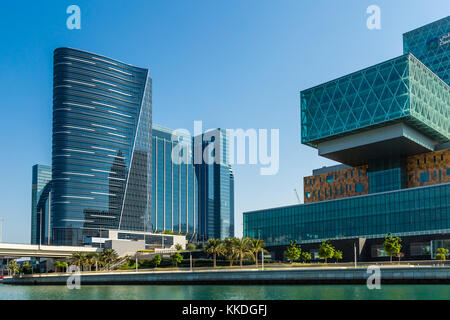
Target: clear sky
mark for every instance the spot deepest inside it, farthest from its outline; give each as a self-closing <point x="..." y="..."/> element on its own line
<point x="231" y="64"/>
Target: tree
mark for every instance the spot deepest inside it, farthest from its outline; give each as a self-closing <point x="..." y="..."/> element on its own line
<point x="13" y="267"/>
<point x="156" y="261"/>
<point x="107" y="257"/>
<point x="441" y="254"/>
<point x="337" y="255"/>
<point x="57" y="265"/>
<point x="326" y="250"/>
<point x="242" y="247"/>
<point x="257" y="245"/>
<point x="230" y="251"/>
<point x="26" y="268"/>
<point x="179" y="247"/>
<point x="306" y="256"/>
<point x="191" y="247"/>
<point x="293" y="251"/>
<point x="94" y="260"/>
<point x="215" y="248"/>
<point x="78" y="259"/>
<point x="392" y="245"/>
<point x="177" y="258"/>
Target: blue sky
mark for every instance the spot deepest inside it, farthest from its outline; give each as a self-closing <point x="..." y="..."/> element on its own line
<point x="231" y="64"/>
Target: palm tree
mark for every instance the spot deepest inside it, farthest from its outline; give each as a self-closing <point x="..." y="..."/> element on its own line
<point x="230" y="251"/>
<point x="257" y="245"/>
<point x="78" y="259"/>
<point x="93" y="259"/>
<point x="13" y="267"/>
<point x="57" y="265"/>
<point x="215" y="248"/>
<point x="242" y="247"/>
<point x="108" y="256"/>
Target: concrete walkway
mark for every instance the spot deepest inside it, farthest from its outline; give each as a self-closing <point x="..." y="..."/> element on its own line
<point x="306" y="275"/>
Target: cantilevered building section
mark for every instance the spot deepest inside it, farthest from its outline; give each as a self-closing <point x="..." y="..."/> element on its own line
<point x="101" y="159"/>
<point x="389" y="127"/>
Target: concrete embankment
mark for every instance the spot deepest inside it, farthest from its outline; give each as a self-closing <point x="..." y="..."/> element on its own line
<point x="279" y="276"/>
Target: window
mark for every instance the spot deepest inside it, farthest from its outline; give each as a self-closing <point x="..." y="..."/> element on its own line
<point x="308" y="195"/>
<point x="424" y="177"/>
<point x="359" y="187"/>
<point x="448" y="171"/>
<point x="329" y="178"/>
<point x="420" y="249"/>
<point x="378" y="251"/>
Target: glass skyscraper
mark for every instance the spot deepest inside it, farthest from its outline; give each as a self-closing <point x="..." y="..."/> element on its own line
<point x="389" y="125"/>
<point x="101" y="153"/>
<point x="40" y="188"/>
<point x="429" y="44"/>
<point x="216" y="186"/>
<point x="175" y="185"/>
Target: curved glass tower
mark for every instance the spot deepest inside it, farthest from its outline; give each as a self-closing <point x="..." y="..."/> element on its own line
<point x="101" y="157"/>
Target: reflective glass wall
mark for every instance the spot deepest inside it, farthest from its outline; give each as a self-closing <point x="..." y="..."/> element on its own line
<point x="41" y="178"/>
<point x="408" y="212"/>
<point x="175" y="185"/>
<point x="216" y="186"/>
<point x="101" y="160"/>
<point x="431" y="45"/>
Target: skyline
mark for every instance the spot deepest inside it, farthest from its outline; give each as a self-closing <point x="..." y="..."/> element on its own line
<point x="248" y="193"/>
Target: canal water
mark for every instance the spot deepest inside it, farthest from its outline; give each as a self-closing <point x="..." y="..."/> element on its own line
<point x="240" y="292"/>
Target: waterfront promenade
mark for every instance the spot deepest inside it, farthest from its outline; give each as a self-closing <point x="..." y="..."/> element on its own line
<point x="306" y="275"/>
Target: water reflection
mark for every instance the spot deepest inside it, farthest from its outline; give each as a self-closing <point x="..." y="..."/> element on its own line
<point x="238" y="292"/>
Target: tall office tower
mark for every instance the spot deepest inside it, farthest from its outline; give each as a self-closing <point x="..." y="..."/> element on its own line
<point x="101" y="159"/>
<point x="41" y="183"/>
<point x="389" y="127"/>
<point x="430" y="44"/>
<point x="216" y="186"/>
<point x="175" y="186"/>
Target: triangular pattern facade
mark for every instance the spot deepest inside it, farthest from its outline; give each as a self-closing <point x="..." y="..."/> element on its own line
<point x="374" y="96"/>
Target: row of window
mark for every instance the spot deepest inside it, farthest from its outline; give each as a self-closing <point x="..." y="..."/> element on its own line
<point x="434" y="159"/>
<point x="425" y="176"/>
<point x="331" y="178"/>
<point x="359" y="187"/>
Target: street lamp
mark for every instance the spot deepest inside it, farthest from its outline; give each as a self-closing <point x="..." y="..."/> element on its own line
<point x="262" y="258"/>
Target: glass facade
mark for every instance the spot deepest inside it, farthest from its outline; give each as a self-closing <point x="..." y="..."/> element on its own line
<point x="175" y="185"/>
<point x="403" y="212"/>
<point x="398" y="89"/>
<point x="408" y="194"/>
<point x="101" y="162"/>
<point x="41" y="182"/>
<point x="216" y="186"/>
<point x="430" y="44"/>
